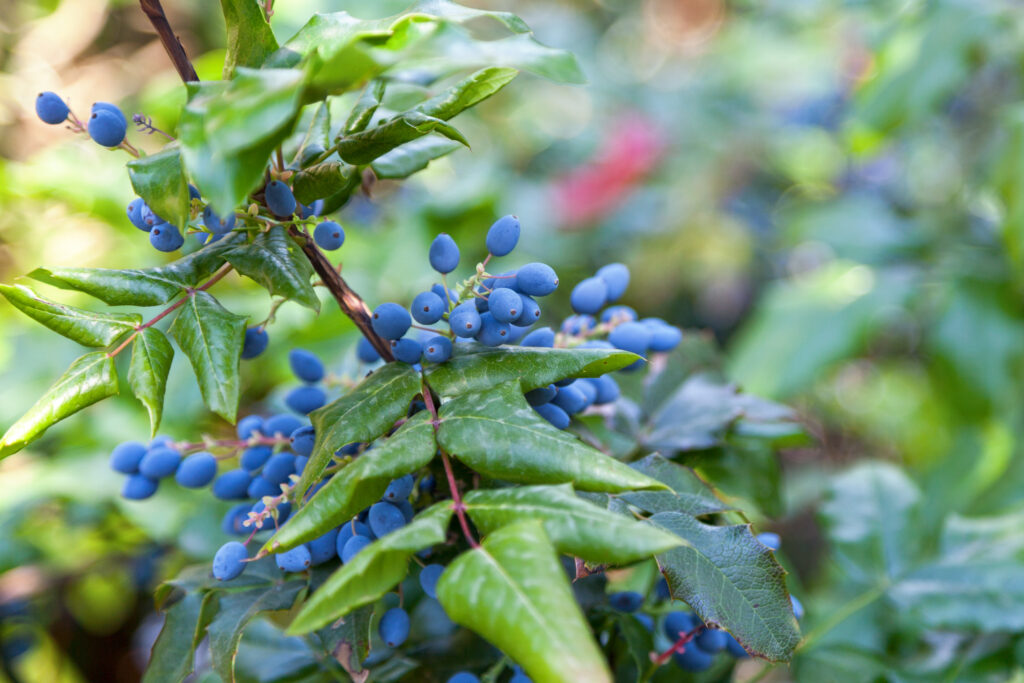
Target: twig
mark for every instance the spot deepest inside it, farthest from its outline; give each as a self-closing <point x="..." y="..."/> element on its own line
<point x="175" y="50"/>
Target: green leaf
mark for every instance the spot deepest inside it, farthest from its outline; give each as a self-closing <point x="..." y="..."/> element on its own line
<point x="576" y="527"/>
<point x="184" y="627"/>
<point x="90" y="378"/>
<point x="403" y="161"/>
<point x="368" y="411"/>
<point x="638" y="643"/>
<point x="474" y="367"/>
<point x="365" y="108"/>
<point x="499" y="435"/>
<point x="211" y="337"/>
<point x="349" y="640"/>
<point x="688" y="493"/>
<point x="229" y="129"/>
<point x="319" y="132"/>
<point x="160" y="180"/>
<point x="274" y="261"/>
<point x="467" y="93"/>
<point x="364" y="147"/>
<point x="324" y="180"/>
<point x="513" y="592"/>
<point x="360" y="483"/>
<point x="249" y="37"/>
<point x="147" y="374"/>
<point x="84" y="327"/>
<point x="377" y="569"/>
<point x="731" y="579"/>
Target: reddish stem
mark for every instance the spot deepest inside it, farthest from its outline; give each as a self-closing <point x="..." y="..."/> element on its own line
<point x="679" y="645"/>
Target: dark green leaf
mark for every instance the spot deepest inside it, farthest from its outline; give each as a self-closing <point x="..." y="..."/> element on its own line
<point x="374" y="571"/>
<point x="319" y="132"/>
<point x="513" y="592"/>
<point x="467" y="93"/>
<point x="403" y="161"/>
<point x="499" y="435"/>
<point x="276" y="262"/>
<point x="364" y="147"/>
<point x="365" y="108"/>
<point x="249" y="37"/>
<point x="211" y="337"/>
<point x="360" y="483"/>
<point x="85" y="327"/>
<point x="638" y="643"/>
<point x="576" y="527"/>
<point x="688" y="492"/>
<point x="184" y="627"/>
<point x="147" y="374"/>
<point x="349" y="640"/>
<point x="325" y="179"/>
<point x="91" y="378"/>
<point x="731" y="579"/>
<point x="160" y="180"/>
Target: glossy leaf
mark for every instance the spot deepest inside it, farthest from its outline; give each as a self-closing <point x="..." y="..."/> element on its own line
<point x="688" y="493"/>
<point x="324" y="180"/>
<point x="730" y="579"/>
<point x="467" y="93"/>
<point x="513" y="592"/>
<point x="160" y="180"/>
<point x="403" y="161"/>
<point x="90" y="378"/>
<point x="365" y="413"/>
<point x="184" y="627"/>
<point x="499" y="435"/>
<point x="374" y="571"/>
<point x="349" y="639"/>
<point x="84" y="327"/>
<point x="365" y="108"/>
<point x="319" y="132"/>
<point x="151" y="360"/>
<point x="364" y="147"/>
<point x="211" y="337"/>
<point x="249" y="37"/>
<point x="576" y="527"/>
<point x="274" y="260"/>
<point x="360" y="483"/>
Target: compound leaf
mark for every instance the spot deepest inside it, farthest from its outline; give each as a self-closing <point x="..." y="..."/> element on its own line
<point x="85" y="327"/>
<point x="274" y="260"/>
<point x="147" y="374"/>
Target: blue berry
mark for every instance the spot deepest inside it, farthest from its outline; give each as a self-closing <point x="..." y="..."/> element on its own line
<point x="329" y="235"/>
<point x="295" y="560"/>
<point x="232" y="485"/>
<point x="463" y="677"/>
<point x="619" y="314"/>
<point x="429" y="576"/>
<point x="139" y="487"/>
<point x="503" y="235"/>
<point x="536" y="279"/>
<point x="444" y="254"/>
<point x="233" y="522"/>
<point x="407" y="350"/>
<point x="323" y="548"/>
<point x="465" y="320"/>
<point x="578" y="324"/>
<point x="626" y="601"/>
<point x="197" y="470"/>
<point x="126" y="456"/>
<point x="505" y="305"/>
<point x="229" y="562"/>
<point x="543" y="337"/>
<point x="394" y="627"/>
<point x="428" y="307"/>
<point x="50" y="108"/>
<point x="279" y="468"/>
<point x="304" y="400"/>
<point x="664" y="337"/>
<point x="678" y="623"/>
<point x="303" y="440"/>
<point x="106" y="128"/>
<point x="149" y="217"/>
<point x="217" y="224"/>
<point x="385" y="518"/>
<point x="437" y="349"/>
<point x="159" y="462"/>
<point x="616" y="277"/>
<point x="770" y="539"/>
<point x="249" y="425"/>
<point x="588" y="390"/>
<point x="365" y="351"/>
<point x="693" y="659"/>
<point x="348" y="530"/>
<point x="134" y="212"/>
<point x="607" y="389"/>
<point x="256" y="340"/>
<point x="353" y="546"/>
<point x="711" y="640"/>
<point x="280" y="199"/>
<point x="589" y="295"/>
<point x="281" y="424"/>
<point x="553" y="414"/>
<point x="798" y="608"/>
<point x="391" y="321"/>
<point x="399" y="489"/>
<point x="443" y="293"/>
<point x="542" y="395"/>
<point x="492" y="332"/>
<point x="255" y="457"/>
<point x="166" y="238"/>
<point x="300" y="463"/>
<point x="260" y="487"/>
<point x="406" y="507"/>
<point x="646" y="621"/>
<point x="530" y="311"/>
<point x="633" y="337"/>
<point x="193" y="192"/>
<point x="112" y="108"/>
<point x="733" y="647"/>
<point x="570" y="399"/>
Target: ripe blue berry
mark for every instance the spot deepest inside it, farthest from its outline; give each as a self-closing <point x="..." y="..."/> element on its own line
<point x="693" y="659"/>
<point x="348" y="530"/>
<point x="365" y="351"/>
<point x="589" y="295"/>
<point x="232" y="485"/>
<point x="607" y="389"/>
<point x="280" y="199"/>
<point x="165" y="237"/>
<point x="530" y="311"/>
<point x="798" y="608"/>
<point x="711" y="640"/>
<point x="503" y="235"/>
<point x="536" y="279"/>
<point x="385" y="518"/>
<point x="256" y="340"/>
<point x="407" y="350"/>
<point x="281" y="424"/>
<point x="279" y="468"/>
<point x="492" y="332"/>
<point x="616" y="277"/>
<point x="260" y="487"/>
<point x="134" y="212"/>
<point x="626" y="601"/>
<point x="770" y="539"/>
<point x="542" y="395"/>
<point x="570" y="399"/>
<point x="255" y="457"/>
<point x="465" y="320"/>
<point x="304" y="400"/>
<point x="399" y="489"/>
<point x="353" y="546"/>
<point x="733" y="647"/>
<point x="303" y="440"/>
<point x="543" y="337"/>
<point x="428" y="307"/>
<point x="193" y="192"/>
<point x="394" y="627"/>
<point x="505" y="305"/>
<point x="329" y="235"/>
<point x="463" y="677"/>
<point x="159" y="462"/>
<point x="588" y="390"/>
<point x="106" y="128"/>
<point x="300" y="463"/>
<point x="553" y="414"/>
<point x="295" y="560"/>
<point x="249" y="425"/>
<point x="632" y="337"/>
<point x="217" y="224"/>
<point x="618" y="314"/>
<point x="443" y="293"/>
<point x="429" y="576"/>
<point x="444" y="254"/>
<point x="664" y="337"/>
<point x="306" y="365"/>
<point x="126" y="456"/>
<point x="578" y="324"/>
<point x="234" y="520"/>
<point x="112" y="108"/>
<point x="323" y="548"/>
<point x="229" y="562"/>
<point x="437" y="349"/>
<point x="51" y="108"/>
<point x="197" y="470"/>
<point x="391" y="321"/>
<point x="678" y="623"/>
<point x="139" y="487"/>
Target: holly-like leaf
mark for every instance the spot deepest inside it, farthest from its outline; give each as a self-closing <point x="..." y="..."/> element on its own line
<point x="365" y="108"/>
<point x="85" y="327"/>
<point x="688" y="493"/>
<point x="274" y="260"/>
<point x="184" y="627"/>
<point x="360" y="483"/>
<point x="211" y="337"/>
<point x="499" y="435"/>
<point x="90" y="378"/>
<point x="403" y="161"/>
<point x="249" y="37"/>
<point x="576" y="527"/>
<point x="513" y="592"/>
<point x="160" y="180"/>
<point x="474" y="367"/>
<point x="730" y="579"/>
<point x="364" y="147"/>
<point x="365" y="413"/>
<point x="325" y="180"/>
<point x="374" y="571"/>
<point x="147" y="374"/>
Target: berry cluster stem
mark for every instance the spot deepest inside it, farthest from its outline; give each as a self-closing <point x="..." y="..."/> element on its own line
<point x="678" y="646"/>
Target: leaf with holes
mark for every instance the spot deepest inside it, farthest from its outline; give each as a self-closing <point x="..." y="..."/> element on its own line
<point x="85" y="327"/>
<point x="274" y="260"/>
<point x="151" y="360"/>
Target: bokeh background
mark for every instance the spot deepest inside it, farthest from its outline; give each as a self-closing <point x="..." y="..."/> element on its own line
<point x="834" y="189"/>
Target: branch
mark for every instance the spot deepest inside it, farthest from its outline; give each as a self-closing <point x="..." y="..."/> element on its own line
<point x="155" y="12"/>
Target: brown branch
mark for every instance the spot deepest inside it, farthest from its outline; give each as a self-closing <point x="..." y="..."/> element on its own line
<point x="155" y="12"/>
